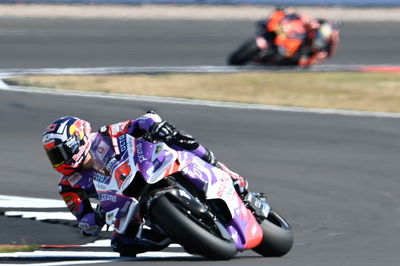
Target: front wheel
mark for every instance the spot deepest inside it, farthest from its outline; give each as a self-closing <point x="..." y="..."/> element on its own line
<point x="244" y="54"/>
<point x="189" y="231"/>
<point x="277" y="236"/>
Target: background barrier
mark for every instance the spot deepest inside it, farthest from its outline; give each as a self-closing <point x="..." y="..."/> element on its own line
<point x="358" y="3"/>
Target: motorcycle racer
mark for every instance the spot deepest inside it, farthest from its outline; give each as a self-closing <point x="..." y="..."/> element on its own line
<point x="291" y="38"/>
<point x="82" y="156"/>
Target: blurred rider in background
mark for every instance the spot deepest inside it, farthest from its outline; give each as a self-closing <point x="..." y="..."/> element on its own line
<point x="68" y="145"/>
<point x="293" y="38"/>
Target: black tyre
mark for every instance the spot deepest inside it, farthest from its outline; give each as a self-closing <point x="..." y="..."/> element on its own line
<point x="244" y="54"/>
<point x="278" y="236"/>
<point x="191" y="234"/>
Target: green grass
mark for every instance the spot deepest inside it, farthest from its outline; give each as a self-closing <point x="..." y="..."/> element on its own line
<point x="15" y="248"/>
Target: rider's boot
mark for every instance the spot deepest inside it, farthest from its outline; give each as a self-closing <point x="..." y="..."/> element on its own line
<point x="209" y="157"/>
<point x="182" y="140"/>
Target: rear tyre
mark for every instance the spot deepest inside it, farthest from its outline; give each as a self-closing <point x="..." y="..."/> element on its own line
<point x="277" y="238"/>
<point x="183" y="228"/>
<point x="244" y="54"/>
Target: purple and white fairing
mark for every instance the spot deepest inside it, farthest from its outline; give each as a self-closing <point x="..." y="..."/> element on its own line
<point x="114" y="168"/>
<point x="118" y="161"/>
<point x="217" y="184"/>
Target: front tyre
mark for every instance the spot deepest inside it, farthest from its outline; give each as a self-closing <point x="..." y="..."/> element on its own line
<point x="244" y="54"/>
<point x="277" y="236"/>
<point x="183" y="228"/>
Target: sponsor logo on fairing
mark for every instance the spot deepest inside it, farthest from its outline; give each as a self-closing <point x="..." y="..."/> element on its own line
<point x="108" y="197"/>
<point x="110" y="164"/>
<point x="102" y="178"/>
<point x="102" y="149"/>
<point x="139" y="149"/>
<point x="122" y="143"/>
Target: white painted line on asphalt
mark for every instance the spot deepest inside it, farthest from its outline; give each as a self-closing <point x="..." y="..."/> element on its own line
<point x="107" y="243"/>
<point x="3" y="84"/>
<point x="98" y="243"/>
<point x="12" y="202"/>
<point x="94" y="257"/>
<point x="29" y="202"/>
<point x="7" y="201"/>
<point x="43" y="215"/>
<point x="4" y="72"/>
<point x="233" y="105"/>
<point x="63" y="254"/>
<point x="39" y="216"/>
<point x="89" y="254"/>
<point x="73" y="262"/>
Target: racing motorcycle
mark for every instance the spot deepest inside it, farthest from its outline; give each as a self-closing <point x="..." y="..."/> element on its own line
<point x="193" y="203"/>
<point x="289" y="45"/>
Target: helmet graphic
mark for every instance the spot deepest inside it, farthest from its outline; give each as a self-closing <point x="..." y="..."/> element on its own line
<point x="67" y="143"/>
<point x="322" y="36"/>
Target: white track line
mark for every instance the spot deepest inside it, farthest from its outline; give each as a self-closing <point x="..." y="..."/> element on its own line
<point x="12" y="202"/>
<point x="93" y="257"/>
<point x="29" y="202"/>
<point x="176" y="69"/>
<point x="89" y="254"/>
<point x="74" y="262"/>
<point x="46" y="215"/>
<point x="107" y="243"/>
<point x="40" y="216"/>
<point x="183" y="69"/>
<point x="233" y="105"/>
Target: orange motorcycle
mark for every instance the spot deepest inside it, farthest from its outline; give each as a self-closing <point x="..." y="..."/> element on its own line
<point x="288" y="39"/>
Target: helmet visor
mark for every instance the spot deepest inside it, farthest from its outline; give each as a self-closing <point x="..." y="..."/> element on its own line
<point x="57" y="155"/>
<point x="64" y="152"/>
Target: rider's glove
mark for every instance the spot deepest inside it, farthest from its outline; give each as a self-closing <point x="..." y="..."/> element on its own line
<point x="162" y="131"/>
<point x="92" y="223"/>
<point x="184" y="140"/>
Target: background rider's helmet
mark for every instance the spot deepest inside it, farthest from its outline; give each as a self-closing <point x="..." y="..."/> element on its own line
<point x="322" y="36"/>
<point x="67" y="143"/>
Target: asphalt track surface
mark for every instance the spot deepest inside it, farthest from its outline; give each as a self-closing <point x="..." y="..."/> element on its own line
<point x="334" y="177"/>
<point x="47" y="43"/>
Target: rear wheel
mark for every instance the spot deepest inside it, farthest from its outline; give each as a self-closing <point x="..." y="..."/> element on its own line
<point x="277" y="236"/>
<point x="245" y="53"/>
<point x="189" y="231"/>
